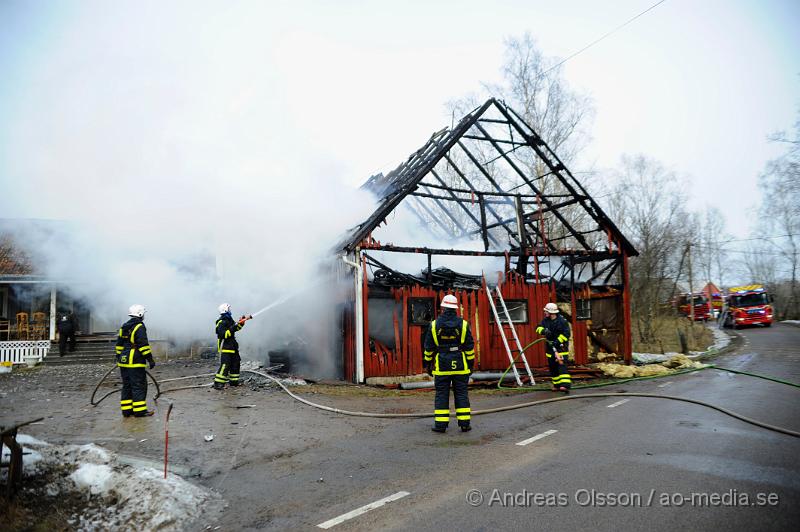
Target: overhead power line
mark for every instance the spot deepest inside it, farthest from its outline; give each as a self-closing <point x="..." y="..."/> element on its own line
<point x="601" y="38"/>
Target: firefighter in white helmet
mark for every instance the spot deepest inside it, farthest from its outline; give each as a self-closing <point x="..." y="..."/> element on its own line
<point x="556" y="329"/>
<point x="228" y="347"/>
<point x="133" y="354"/>
<point x="449" y="356"/>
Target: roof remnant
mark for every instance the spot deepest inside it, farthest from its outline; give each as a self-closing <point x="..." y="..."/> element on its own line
<point x="491" y="177"/>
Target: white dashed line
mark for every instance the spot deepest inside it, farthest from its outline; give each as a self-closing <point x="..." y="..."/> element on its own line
<point x="364" y="509"/>
<point x="613" y="405"/>
<point x="665" y="384"/>
<point x="537" y="437"/>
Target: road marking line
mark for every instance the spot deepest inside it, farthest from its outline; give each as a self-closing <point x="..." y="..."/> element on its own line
<point x="537" y="437"/>
<point x="612" y="405"/>
<point x="364" y="509"/>
<point x="665" y="384"/>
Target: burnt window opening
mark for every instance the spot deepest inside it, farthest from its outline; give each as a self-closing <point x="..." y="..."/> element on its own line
<point x="421" y="310"/>
<point x="583" y="309"/>
<point x="517" y="310"/>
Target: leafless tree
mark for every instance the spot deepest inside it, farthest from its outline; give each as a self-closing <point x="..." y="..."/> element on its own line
<point x="780" y="207"/>
<point x="534" y="86"/>
<point x="649" y="204"/>
<point x="710" y="254"/>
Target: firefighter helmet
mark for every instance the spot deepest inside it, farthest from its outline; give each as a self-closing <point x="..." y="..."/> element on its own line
<point x="225" y="308"/>
<point x="137" y="311"/>
<point x="449" y="301"/>
<point x="551" y="308"/>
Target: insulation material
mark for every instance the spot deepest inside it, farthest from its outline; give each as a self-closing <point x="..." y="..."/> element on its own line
<point x="651" y="370"/>
<point x="682" y="362"/>
<point x="621" y="371"/>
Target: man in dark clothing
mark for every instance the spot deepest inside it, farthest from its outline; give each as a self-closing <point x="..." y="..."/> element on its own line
<point x="133" y="351"/>
<point x="228" y="347"/>
<point x="66" y="326"/>
<point x="450" y="355"/>
<point x="556" y="329"/>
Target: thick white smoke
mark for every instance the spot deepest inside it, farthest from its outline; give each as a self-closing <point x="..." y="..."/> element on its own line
<point x="162" y="154"/>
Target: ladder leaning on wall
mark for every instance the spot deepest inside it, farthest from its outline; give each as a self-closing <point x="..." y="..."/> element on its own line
<point x="502" y="327"/>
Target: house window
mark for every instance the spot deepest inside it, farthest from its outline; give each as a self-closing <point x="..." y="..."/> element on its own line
<point x="517" y="309"/>
<point x="421" y="310"/>
<point x="583" y="309"/>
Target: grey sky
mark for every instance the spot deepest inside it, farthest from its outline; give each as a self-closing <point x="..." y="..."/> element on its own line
<point x="174" y="95"/>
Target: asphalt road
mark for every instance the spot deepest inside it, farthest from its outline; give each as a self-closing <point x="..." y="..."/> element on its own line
<point x="640" y="464"/>
<point x="597" y="463"/>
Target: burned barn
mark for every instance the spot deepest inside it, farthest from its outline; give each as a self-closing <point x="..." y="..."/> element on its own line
<point x="483" y="204"/>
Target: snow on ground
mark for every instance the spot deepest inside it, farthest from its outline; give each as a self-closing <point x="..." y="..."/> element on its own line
<point x="721" y="340"/>
<point x="119" y="496"/>
<point x="791" y="322"/>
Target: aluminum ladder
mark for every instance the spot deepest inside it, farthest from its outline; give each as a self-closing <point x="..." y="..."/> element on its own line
<point x="500" y="326"/>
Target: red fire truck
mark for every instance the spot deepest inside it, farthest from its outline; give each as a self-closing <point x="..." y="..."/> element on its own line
<point x="702" y="308"/>
<point x="748" y="305"/>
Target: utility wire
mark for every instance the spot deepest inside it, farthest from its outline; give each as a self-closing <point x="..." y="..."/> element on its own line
<point x="601" y="38"/>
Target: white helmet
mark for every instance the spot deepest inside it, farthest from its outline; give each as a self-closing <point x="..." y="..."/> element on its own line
<point x="137" y="311"/>
<point x="224" y="308"/>
<point x="551" y="308"/>
<point x="449" y="301"/>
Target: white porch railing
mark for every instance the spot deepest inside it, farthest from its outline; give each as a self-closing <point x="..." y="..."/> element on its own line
<point x="16" y="351"/>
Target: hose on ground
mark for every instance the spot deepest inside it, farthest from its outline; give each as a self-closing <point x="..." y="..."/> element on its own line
<point x="508" y="408"/>
<point x="630" y="379"/>
<point x="773" y="379"/>
<point x="103" y="378"/>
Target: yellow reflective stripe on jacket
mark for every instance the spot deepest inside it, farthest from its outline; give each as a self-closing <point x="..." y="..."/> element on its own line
<point x="464" y="326"/>
<point x="433" y="332"/>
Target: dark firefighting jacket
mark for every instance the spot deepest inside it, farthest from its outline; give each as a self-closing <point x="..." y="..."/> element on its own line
<point x="133" y="349"/>
<point x="449" y="345"/>
<point x="226" y="334"/>
<point x="557" y="333"/>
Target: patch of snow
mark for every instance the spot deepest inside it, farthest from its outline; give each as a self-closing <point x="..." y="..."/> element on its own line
<point x="133" y="497"/>
<point x="30" y="457"/>
<point x="792" y="322"/>
<point x="93" y="452"/>
<point x="97" y="478"/>
<point x="26" y="439"/>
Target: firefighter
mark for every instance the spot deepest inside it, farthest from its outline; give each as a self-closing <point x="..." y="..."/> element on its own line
<point x="228" y="347"/>
<point x="556" y="329"/>
<point x="449" y="356"/>
<point x="133" y="351"/>
<point x="67" y="326"/>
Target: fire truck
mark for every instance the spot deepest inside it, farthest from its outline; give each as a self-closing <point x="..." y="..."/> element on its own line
<point x="748" y="305"/>
<point x="702" y="308"/>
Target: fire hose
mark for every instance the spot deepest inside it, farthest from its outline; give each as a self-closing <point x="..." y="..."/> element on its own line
<point x="507" y="408"/>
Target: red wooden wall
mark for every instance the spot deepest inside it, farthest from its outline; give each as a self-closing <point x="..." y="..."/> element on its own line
<point x="490" y="354"/>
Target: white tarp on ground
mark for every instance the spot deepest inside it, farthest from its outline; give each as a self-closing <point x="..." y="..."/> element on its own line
<point x="124" y="497"/>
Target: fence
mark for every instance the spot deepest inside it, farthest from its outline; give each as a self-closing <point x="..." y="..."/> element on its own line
<point x="16" y="351"/>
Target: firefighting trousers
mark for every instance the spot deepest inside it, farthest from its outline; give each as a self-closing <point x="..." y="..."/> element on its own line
<point x="133" y="400"/>
<point x="558" y="371"/>
<point x="441" y="404"/>
<point x="228" y="371"/>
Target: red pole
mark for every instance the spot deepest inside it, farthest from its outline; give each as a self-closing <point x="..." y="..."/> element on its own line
<point x="166" y="439"/>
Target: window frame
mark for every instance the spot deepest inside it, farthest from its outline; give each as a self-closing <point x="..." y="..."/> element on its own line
<point x="4" y="302"/>
<point x="508" y="305"/>
<point x="411" y="300"/>
<point x="582" y="316"/>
